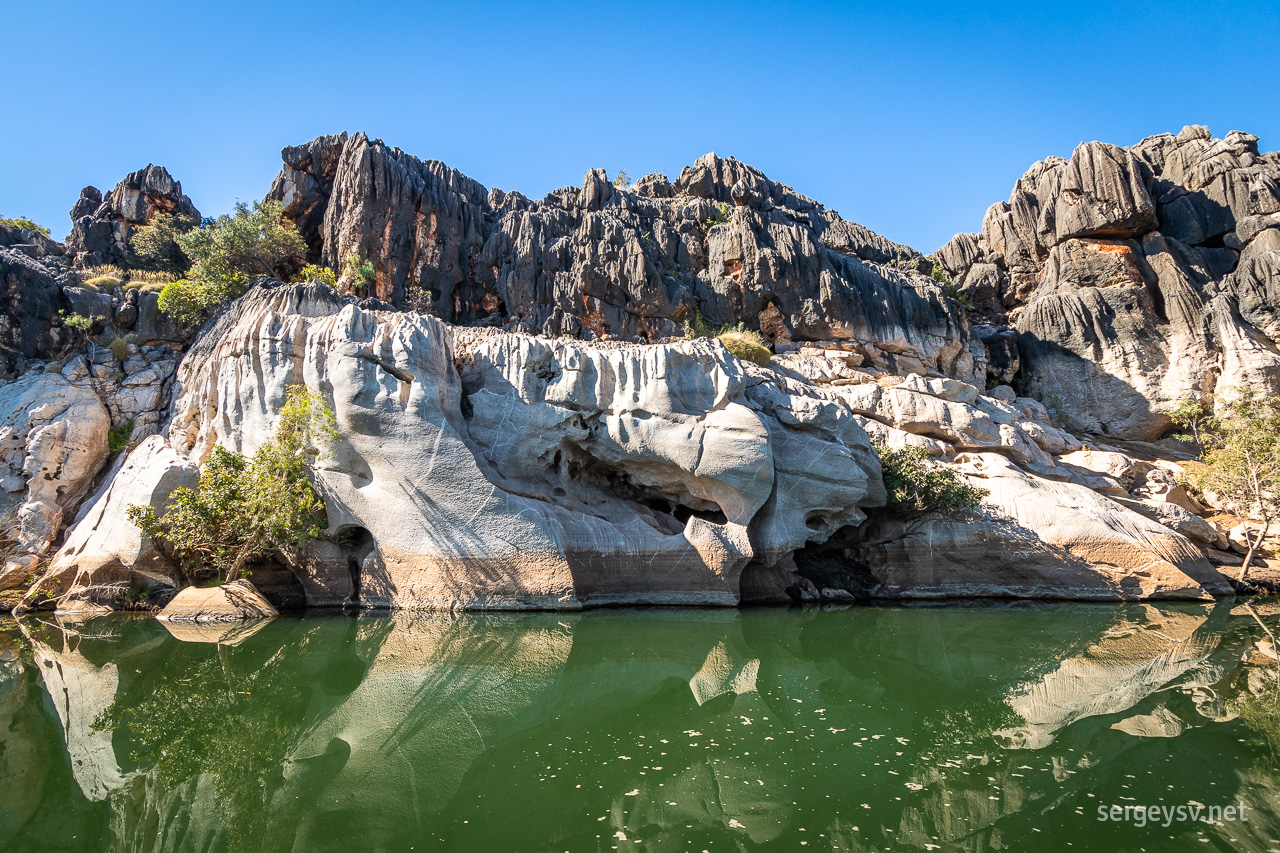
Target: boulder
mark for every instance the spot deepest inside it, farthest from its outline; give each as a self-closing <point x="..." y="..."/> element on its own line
<point x="236" y="601"/>
<point x="1126" y="283"/>
<point x="100" y="233"/>
<point x="1041" y="539"/>
<point x="105" y="552"/>
<point x="89" y="303"/>
<point x="30" y="300"/>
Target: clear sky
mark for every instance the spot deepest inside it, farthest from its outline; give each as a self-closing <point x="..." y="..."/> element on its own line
<point x="911" y="118"/>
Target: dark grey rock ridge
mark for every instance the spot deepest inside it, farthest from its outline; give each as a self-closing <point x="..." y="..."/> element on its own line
<point x="722" y="244"/>
<point x="1135" y="277"/>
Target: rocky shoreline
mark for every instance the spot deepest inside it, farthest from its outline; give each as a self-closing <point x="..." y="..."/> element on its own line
<point x="526" y="424"/>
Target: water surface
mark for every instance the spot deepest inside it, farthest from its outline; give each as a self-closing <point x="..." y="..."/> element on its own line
<point x="992" y="726"/>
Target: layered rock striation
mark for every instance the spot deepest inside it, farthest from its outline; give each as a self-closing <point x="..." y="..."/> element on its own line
<point x="484" y="469"/>
<point x="722" y="244"/>
<point x="1135" y="277"/>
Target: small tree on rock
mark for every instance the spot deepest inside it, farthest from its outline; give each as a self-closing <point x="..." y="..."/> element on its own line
<point x="245" y="509"/>
<point x="1241" y="460"/>
<point x="229" y="252"/>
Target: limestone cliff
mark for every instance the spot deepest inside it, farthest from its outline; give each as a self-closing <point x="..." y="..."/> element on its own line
<point x="524" y="423"/>
<point x="1135" y="277"/>
<point x="485" y="469"/>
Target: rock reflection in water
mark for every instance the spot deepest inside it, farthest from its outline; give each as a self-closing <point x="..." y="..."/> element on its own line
<point x="961" y="727"/>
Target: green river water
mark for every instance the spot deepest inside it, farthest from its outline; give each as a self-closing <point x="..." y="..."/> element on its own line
<point x="962" y="727"/>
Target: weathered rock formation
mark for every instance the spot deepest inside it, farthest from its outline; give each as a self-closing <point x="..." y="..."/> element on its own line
<point x="101" y="225"/>
<point x="1135" y="277"/>
<point x="524" y="426"/>
<point x="53" y="440"/>
<point x="722" y="243"/>
<point x="479" y="468"/>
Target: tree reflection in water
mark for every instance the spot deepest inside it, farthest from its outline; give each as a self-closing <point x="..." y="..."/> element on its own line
<point x="961" y="726"/>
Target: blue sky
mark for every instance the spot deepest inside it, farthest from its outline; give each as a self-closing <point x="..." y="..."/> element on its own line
<point x="910" y="118"/>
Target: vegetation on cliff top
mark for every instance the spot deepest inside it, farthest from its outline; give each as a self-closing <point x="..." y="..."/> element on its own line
<point x="245" y="509"/>
<point x="226" y="254"/>
<point x="24" y="223"/>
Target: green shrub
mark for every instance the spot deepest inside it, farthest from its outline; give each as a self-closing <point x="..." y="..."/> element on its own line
<point x="747" y="345"/>
<point x="188" y="301"/>
<point x="156" y="244"/>
<point x="319" y="274"/>
<point x="119" y="349"/>
<point x="77" y="322"/>
<point x="917" y="485"/>
<point x="939" y="274"/>
<point x="1241" y="459"/>
<point x="24" y="223"/>
<point x="360" y="272"/>
<point x="243" y="510"/>
<point x="622" y="180"/>
<point x="118" y="437"/>
<point x="226" y="254"/>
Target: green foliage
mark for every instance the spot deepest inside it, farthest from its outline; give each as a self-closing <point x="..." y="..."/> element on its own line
<point x="722" y="214"/>
<point x="939" y="274"/>
<point x="622" y="180"/>
<point x="360" y="273"/>
<point x="156" y="245"/>
<point x="226" y="254"/>
<point x="1261" y="713"/>
<point x="118" y="437"/>
<point x="24" y="223"/>
<point x="318" y="274"/>
<point x="252" y="242"/>
<point x="188" y="300"/>
<point x="77" y="322"/>
<point x="119" y="349"/>
<point x="916" y="484"/>
<point x="1241" y="459"/>
<point x="244" y="510"/>
<point x="747" y="345"/>
<point x="1191" y="416"/>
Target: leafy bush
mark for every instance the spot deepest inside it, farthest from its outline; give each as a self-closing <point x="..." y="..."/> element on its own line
<point x="253" y="242"/>
<point x="243" y="510"/>
<point x="24" y="223"/>
<point x="917" y="485"/>
<point x="226" y="253"/>
<point x="747" y="345"/>
<point x="156" y="244"/>
<point x="359" y="273"/>
<point x="622" y="180"/>
<point x="318" y="274"/>
<point x="118" y="437"/>
<point x="119" y="349"/>
<point x="189" y="301"/>
<point x="939" y="274"/>
<point x="77" y="322"/>
<point x="1241" y="460"/>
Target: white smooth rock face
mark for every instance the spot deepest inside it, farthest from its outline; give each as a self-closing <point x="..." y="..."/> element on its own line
<point x="545" y="473"/>
<point x="481" y="469"/>
<point x="104" y="551"/>
<point x="53" y="440"/>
